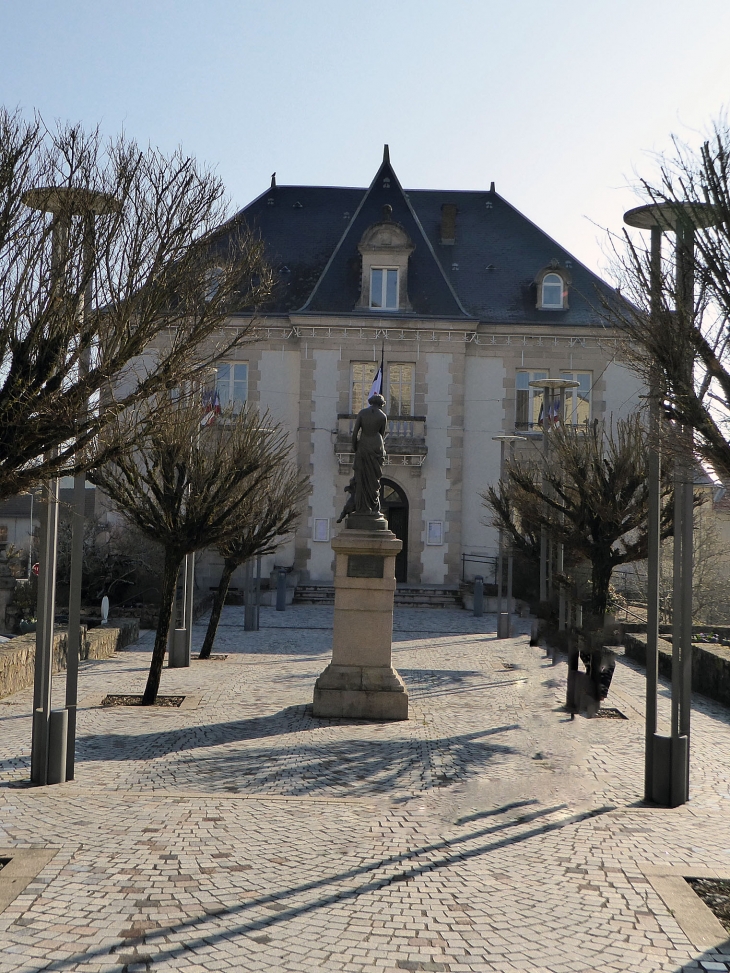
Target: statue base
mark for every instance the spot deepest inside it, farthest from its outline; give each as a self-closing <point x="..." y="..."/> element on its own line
<point x="374" y="521"/>
<point x="360" y="682"/>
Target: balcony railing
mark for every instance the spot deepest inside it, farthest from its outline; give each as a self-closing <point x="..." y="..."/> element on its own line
<point x="405" y="441"/>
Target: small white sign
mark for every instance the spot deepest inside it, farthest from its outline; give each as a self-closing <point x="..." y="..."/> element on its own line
<point x="435" y="533"/>
<point x="321" y="530"/>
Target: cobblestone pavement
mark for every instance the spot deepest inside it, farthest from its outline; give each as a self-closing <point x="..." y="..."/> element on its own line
<point x="487" y="833"/>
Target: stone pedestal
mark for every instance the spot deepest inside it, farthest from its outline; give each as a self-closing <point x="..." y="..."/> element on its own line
<point x="360" y="682"/>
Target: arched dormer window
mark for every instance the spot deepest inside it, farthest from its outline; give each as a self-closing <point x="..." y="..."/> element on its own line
<point x="552" y="289"/>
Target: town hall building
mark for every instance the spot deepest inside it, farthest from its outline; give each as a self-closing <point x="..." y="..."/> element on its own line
<point x="466" y="302"/>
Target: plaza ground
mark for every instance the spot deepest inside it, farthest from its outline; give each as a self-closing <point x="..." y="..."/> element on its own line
<point x="488" y="833"/>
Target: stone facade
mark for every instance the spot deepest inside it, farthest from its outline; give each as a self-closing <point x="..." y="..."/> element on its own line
<point x="449" y="285"/>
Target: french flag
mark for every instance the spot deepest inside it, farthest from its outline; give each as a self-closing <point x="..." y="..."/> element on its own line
<point x="377" y="387"/>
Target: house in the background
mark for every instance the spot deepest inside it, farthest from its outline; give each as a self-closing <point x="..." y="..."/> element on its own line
<point x="468" y="302"/>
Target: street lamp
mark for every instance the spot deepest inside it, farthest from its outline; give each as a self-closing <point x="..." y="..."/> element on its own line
<point x="54" y="734"/>
<point x="666" y="759"/>
<point x="549" y="387"/>
<point x="503" y="618"/>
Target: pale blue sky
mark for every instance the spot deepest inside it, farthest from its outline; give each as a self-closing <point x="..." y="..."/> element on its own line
<point x="559" y="103"/>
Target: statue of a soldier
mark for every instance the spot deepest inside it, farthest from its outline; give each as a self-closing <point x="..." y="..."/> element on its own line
<point x="368" y="435"/>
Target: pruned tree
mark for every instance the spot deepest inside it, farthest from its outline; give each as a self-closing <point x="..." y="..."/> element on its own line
<point x="261" y="523"/>
<point x="679" y="323"/>
<point x="183" y="486"/>
<point x="591" y="495"/>
<point x="140" y="227"/>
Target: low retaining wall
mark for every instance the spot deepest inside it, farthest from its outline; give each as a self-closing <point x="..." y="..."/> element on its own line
<point x="17" y="657"/>
<point x="710" y="665"/>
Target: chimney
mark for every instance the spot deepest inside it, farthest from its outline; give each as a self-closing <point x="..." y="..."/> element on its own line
<point x="448" y="223"/>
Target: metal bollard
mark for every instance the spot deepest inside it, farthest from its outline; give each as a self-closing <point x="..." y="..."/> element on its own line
<point x="57" y="745"/>
<point x="478" y="596"/>
<point x="178" y="650"/>
<point x="281" y="590"/>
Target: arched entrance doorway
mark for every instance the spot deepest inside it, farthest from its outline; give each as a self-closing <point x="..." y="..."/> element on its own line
<point x="394" y="504"/>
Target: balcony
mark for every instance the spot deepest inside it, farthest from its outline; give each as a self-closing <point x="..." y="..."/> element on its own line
<point x="405" y="442"/>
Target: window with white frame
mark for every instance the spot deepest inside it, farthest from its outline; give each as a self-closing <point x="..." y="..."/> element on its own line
<point x="232" y="384"/>
<point x="363" y="373"/>
<point x="552" y="292"/>
<point x="400" y="389"/>
<point x="384" y="288"/>
<point x="528" y="401"/>
<point x="578" y="400"/>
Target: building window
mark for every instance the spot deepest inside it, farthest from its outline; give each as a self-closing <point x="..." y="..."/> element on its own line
<point x="232" y="384"/>
<point x="528" y="401"/>
<point x="363" y="373"/>
<point x="384" y="288"/>
<point x="400" y="390"/>
<point x="578" y="400"/>
<point x="552" y="292"/>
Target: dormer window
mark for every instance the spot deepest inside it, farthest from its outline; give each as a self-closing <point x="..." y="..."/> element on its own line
<point x="552" y="290"/>
<point x="384" y="288"/>
<point x="385" y="248"/>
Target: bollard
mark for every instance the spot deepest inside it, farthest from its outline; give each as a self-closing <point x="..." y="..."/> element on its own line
<point x="57" y="745"/>
<point x="281" y="590"/>
<point x="178" y="652"/>
<point x="478" y="596"/>
<point x="503" y="625"/>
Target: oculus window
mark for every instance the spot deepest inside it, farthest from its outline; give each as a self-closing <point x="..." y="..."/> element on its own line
<point x="384" y="288"/>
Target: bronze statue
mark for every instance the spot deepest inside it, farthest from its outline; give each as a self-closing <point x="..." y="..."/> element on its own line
<point x="368" y="433"/>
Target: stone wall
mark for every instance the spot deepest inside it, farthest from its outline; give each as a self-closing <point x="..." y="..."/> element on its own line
<point x="17" y="657"/>
<point x="710" y="665"/>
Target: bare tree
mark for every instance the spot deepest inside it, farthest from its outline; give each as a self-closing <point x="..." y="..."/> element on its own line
<point x="681" y="346"/>
<point x="261" y="523"/>
<point x="163" y="282"/>
<point x="591" y="496"/>
<point x="183" y="486"/>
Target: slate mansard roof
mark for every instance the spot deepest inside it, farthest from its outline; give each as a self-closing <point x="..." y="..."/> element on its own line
<point x="311" y="236"/>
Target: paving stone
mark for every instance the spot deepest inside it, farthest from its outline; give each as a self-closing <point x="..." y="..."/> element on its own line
<point x="244" y="834"/>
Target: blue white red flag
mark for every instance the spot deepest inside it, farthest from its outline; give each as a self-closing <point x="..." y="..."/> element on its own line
<point x="211" y="407"/>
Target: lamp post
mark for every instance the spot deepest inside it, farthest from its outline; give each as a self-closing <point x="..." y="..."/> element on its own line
<point x="503" y="619"/>
<point x="549" y="387"/>
<point x="666" y="759"/>
<point x="52" y="759"/>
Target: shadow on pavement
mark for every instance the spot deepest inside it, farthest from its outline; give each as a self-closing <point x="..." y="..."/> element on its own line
<point x="210" y="756"/>
<point x="403" y="867"/>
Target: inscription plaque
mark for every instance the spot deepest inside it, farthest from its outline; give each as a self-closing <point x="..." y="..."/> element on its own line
<point x="365" y="566"/>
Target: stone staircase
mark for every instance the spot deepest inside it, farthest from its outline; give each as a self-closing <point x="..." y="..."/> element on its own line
<point x="427" y="596"/>
<point x="314" y="594"/>
<point x="406" y="595"/>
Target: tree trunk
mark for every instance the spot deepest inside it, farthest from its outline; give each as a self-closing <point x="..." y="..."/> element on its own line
<point x="169" y="583"/>
<point x="602" y="570"/>
<point x="218" y="602"/>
